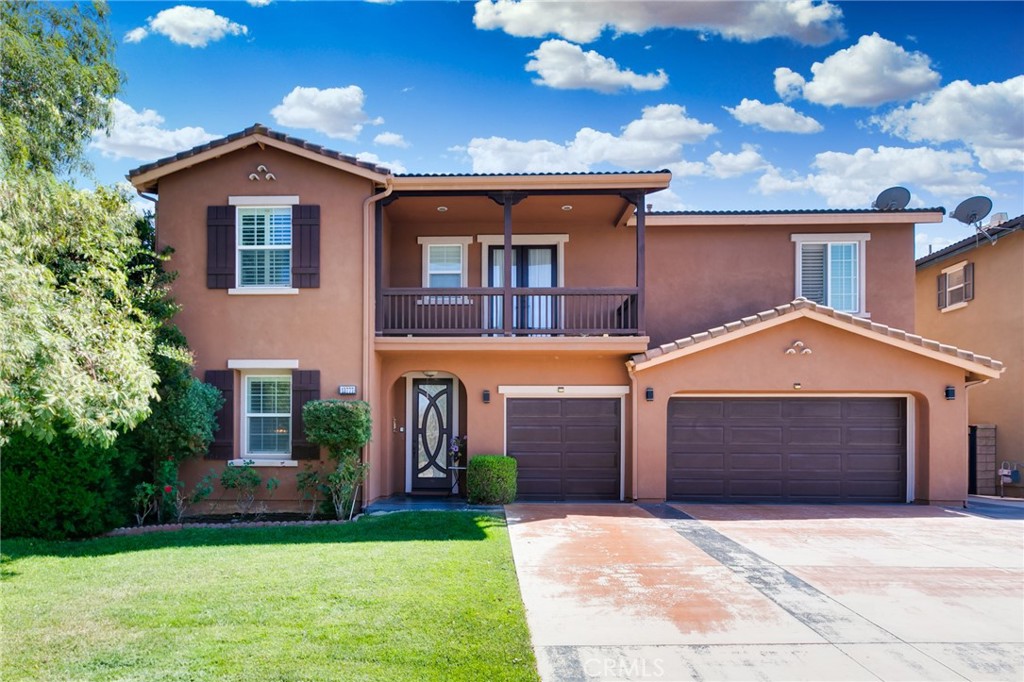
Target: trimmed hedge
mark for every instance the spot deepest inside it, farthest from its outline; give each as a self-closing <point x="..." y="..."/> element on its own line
<point x="491" y="479"/>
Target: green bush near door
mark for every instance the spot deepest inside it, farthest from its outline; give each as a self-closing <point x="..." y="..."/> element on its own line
<point x="491" y="479"/>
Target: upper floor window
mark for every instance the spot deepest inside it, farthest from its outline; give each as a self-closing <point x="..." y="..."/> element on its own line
<point x="830" y="270"/>
<point x="956" y="286"/>
<point x="264" y="246"/>
<point x="445" y="261"/>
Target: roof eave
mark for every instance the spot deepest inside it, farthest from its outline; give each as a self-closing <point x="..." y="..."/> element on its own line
<point x="795" y="219"/>
<point x="649" y="182"/>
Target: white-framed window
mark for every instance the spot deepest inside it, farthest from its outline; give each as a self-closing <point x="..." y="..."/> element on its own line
<point x="267" y="421"/>
<point x="264" y="246"/>
<point x="445" y="261"/>
<point x="830" y="270"/>
<point x="956" y="286"/>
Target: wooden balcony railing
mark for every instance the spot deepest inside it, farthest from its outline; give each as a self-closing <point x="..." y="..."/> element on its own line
<point x="532" y="312"/>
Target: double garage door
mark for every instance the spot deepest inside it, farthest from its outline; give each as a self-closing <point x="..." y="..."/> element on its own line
<point x="787" y="449"/>
<point x="566" y="448"/>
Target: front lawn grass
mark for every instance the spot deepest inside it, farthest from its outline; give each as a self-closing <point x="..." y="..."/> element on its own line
<point x="408" y="596"/>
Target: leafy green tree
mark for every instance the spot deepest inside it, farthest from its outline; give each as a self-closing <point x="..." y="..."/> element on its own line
<point x="58" y="76"/>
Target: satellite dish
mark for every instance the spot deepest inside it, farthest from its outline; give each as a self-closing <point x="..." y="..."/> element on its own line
<point x="892" y="199"/>
<point x="973" y="210"/>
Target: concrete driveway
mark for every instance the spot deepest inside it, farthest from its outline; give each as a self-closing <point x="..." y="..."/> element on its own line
<point x="752" y="592"/>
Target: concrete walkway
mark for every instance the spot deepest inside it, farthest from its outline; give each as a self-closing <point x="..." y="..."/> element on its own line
<point x="752" y="592"/>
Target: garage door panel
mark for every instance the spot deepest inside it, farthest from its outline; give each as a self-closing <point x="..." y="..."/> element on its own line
<point x="741" y="461"/>
<point x="754" y="409"/>
<point x="814" y="449"/>
<point x="814" y="435"/>
<point x="755" y="434"/>
<point x="566" y="448"/>
<point x="812" y="408"/>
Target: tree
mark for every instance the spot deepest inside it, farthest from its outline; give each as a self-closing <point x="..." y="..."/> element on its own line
<point x="58" y="77"/>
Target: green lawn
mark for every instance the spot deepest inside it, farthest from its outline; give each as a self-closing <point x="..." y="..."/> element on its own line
<point x="409" y="596"/>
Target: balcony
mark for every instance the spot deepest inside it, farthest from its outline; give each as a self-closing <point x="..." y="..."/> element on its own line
<point x="510" y="312"/>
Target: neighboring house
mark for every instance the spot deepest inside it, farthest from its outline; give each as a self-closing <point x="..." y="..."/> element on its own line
<point x="972" y="294"/>
<point x="550" y="317"/>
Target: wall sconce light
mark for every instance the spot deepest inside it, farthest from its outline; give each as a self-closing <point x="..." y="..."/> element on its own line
<point x="487" y="397"/>
<point x="561" y="389"/>
<point x="950" y="393"/>
<point x="797" y="386"/>
<point x="649" y="394"/>
<point x="430" y="373"/>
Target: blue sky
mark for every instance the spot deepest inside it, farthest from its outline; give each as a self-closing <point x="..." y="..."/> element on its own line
<point x="796" y="104"/>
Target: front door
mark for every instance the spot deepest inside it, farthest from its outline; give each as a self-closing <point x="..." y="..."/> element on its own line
<point x="431" y="434"/>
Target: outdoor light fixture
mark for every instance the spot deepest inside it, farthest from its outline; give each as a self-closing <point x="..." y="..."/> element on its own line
<point x="649" y="394"/>
<point x="950" y="393"/>
<point x="487" y="397"/>
<point x="797" y="386"/>
<point x="567" y="207"/>
<point x="561" y="389"/>
<point x="430" y="373"/>
<point x="442" y="209"/>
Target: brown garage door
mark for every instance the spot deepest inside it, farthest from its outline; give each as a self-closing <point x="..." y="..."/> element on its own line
<point x="566" y="449"/>
<point x="787" y="449"/>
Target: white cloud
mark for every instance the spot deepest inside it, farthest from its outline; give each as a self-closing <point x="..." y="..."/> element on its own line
<point x="185" y="25"/>
<point x="565" y="66"/>
<point x="854" y="180"/>
<point x="335" y="112"/>
<point x="732" y="165"/>
<point x="778" y="118"/>
<point x="805" y="21"/>
<point x="989" y="118"/>
<point x="140" y="135"/>
<point x="370" y="157"/>
<point x="788" y="83"/>
<point x="652" y="141"/>
<point x="259" y="3"/>
<point x="872" y="72"/>
<point x="925" y="243"/>
<point x="390" y="140"/>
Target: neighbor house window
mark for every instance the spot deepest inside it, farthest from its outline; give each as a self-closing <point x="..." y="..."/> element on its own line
<point x="956" y="286"/>
<point x="268" y="415"/>
<point x="830" y="270"/>
<point x="264" y="246"/>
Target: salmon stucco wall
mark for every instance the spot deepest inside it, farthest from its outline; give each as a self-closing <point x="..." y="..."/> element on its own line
<point x="320" y="328"/>
<point x="700" y="277"/>
<point x="992" y="324"/>
<point x="842" y="362"/>
<point x="483" y="424"/>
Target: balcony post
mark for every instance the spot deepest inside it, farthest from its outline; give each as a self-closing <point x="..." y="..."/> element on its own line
<point x="507" y="200"/>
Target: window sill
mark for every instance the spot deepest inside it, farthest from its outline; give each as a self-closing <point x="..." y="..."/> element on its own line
<point x="263" y="291"/>
<point x="257" y="463"/>
<point x="955" y="306"/>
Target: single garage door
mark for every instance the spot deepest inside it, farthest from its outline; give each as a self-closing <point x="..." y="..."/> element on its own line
<point x="787" y="449"/>
<point x="566" y="448"/>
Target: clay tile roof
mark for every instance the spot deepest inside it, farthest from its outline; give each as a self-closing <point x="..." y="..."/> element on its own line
<point x="795" y="211"/>
<point x="799" y="304"/>
<point x="975" y="240"/>
<point x="259" y="129"/>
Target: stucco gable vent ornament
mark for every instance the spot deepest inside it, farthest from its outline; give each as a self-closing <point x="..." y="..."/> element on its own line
<point x="267" y="175"/>
<point x="798" y="347"/>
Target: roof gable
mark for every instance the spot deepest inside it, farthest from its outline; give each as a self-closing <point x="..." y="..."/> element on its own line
<point x="978" y="365"/>
<point x="972" y="242"/>
<point x="146" y="178"/>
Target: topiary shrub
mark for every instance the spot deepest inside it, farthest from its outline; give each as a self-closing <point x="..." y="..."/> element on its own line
<point x="343" y="427"/>
<point x="491" y="479"/>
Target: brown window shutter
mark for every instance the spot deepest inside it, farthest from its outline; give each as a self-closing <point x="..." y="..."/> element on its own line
<point x="223" y="445"/>
<point x="306" y="247"/>
<point x="941" y="291"/>
<point x="305" y="387"/>
<point x="969" y="282"/>
<point x="220" y="247"/>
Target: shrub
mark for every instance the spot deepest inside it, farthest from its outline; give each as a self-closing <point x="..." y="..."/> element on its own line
<point x="343" y="427"/>
<point x="61" y="489"/>
<point x="491" y="479"/>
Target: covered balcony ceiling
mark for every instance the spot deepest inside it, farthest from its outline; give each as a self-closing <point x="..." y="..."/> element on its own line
<point x="567" y="210"/>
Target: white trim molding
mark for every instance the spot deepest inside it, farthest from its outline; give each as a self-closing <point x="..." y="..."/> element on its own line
<point x="427" y="242"/>
<point x="268" y="200"/>
<point x="263" y="291"/>
<point x="564" y="391"/>
<point x="263" y="364"/>
<point x="859" y="238"/>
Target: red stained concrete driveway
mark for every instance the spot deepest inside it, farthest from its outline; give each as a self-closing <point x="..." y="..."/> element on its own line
<point x="752" y="592"/>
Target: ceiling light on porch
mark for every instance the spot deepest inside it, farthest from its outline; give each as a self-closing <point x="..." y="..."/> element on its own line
<point x="442" y="209"/>
<point x="567" y="207"/>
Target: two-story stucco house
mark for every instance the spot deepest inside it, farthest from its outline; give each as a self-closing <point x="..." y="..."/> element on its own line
<point x="616" y="354"/>
<point x="971" y="293"/>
